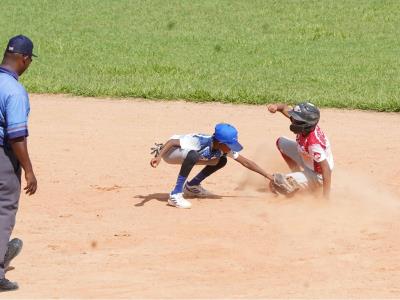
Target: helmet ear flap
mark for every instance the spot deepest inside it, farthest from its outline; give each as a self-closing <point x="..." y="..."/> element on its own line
<point x="301" y="127"/>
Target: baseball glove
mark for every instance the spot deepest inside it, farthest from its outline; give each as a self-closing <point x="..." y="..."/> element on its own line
<point x="285" y="185"/>
<point x="156" y="149"/>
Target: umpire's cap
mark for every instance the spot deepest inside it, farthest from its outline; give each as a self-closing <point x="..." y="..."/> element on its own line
<point x="20" y="44"/>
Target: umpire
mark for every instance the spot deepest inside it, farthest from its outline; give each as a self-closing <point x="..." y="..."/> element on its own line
<point x="14" y="111"/>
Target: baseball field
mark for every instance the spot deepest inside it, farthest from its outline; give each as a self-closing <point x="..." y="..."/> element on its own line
<point x="114" y="77"/>
<point x="340" y="54"/>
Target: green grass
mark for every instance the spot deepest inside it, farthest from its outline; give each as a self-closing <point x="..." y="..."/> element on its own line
<point x="336" y="53"/>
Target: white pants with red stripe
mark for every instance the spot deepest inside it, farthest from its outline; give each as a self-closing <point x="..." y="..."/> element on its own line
<point x="306" y="178"/>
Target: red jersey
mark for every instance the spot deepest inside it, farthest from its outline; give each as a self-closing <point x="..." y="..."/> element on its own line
<point x="315" y="148"/>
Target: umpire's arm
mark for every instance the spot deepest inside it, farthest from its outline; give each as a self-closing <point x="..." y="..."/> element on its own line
<point x="20" y="148"/>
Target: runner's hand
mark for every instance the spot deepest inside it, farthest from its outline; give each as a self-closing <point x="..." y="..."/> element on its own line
<point x="272" y="108"/>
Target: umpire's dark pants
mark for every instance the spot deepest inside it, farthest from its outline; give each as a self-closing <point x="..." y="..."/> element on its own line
<point x="10" y="189"/>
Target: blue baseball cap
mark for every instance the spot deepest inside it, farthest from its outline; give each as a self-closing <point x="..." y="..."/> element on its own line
<point x="20" y="44"/>
<point x="228" y="135"/>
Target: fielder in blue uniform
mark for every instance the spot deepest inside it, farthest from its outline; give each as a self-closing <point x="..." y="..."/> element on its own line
<point x="14" y="111"/>
<point x="200" y="149"/>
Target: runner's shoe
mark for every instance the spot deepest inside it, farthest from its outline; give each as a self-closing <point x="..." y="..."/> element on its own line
<point x="177" y="200"/>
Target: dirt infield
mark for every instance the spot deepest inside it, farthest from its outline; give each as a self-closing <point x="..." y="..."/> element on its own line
<point x="99" y="226"/>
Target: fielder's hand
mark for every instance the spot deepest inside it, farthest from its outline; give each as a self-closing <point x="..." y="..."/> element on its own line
<point x="155" y="161"/>
<point x="285" y="185"/>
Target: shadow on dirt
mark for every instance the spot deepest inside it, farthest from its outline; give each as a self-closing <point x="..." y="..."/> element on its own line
<point x="163" y="197"/>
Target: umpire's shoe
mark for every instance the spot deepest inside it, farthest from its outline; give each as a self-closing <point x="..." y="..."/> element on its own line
<point x="14" y="248"/>
<point x="7" y="285"/>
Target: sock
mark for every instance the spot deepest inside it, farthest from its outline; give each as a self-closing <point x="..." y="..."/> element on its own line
<point x="179" y="185"/>
<point x="197" y="179"/>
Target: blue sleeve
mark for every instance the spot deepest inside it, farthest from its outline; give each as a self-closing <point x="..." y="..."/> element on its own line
<point x="17" y="111"/>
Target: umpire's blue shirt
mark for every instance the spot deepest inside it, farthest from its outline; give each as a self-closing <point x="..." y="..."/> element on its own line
<point x="14" y="107"/>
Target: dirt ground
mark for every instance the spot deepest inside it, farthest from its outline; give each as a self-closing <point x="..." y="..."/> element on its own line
<point x="99" y="225"/>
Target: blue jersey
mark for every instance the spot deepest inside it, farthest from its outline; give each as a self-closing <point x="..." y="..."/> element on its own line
<point x="14" y="107"/>
<point x="202" y="143"/>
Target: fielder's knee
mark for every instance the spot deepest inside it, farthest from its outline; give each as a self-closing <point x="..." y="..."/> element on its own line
<point x="192" y="158"/>
<point x="222" y="162"/>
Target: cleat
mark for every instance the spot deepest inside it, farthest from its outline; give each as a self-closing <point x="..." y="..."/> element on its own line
<point x="196" y="191"/>
<point x="7" y="285"/>
<point x="177" y="200"/>
<point x="14" y="248"/>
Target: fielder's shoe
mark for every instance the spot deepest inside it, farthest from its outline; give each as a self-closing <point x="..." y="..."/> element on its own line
<point x="14" y="248"/>
<point x="196" y="191"/>
<point x="7" y="285"/>
<point x="177" y="200"/>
